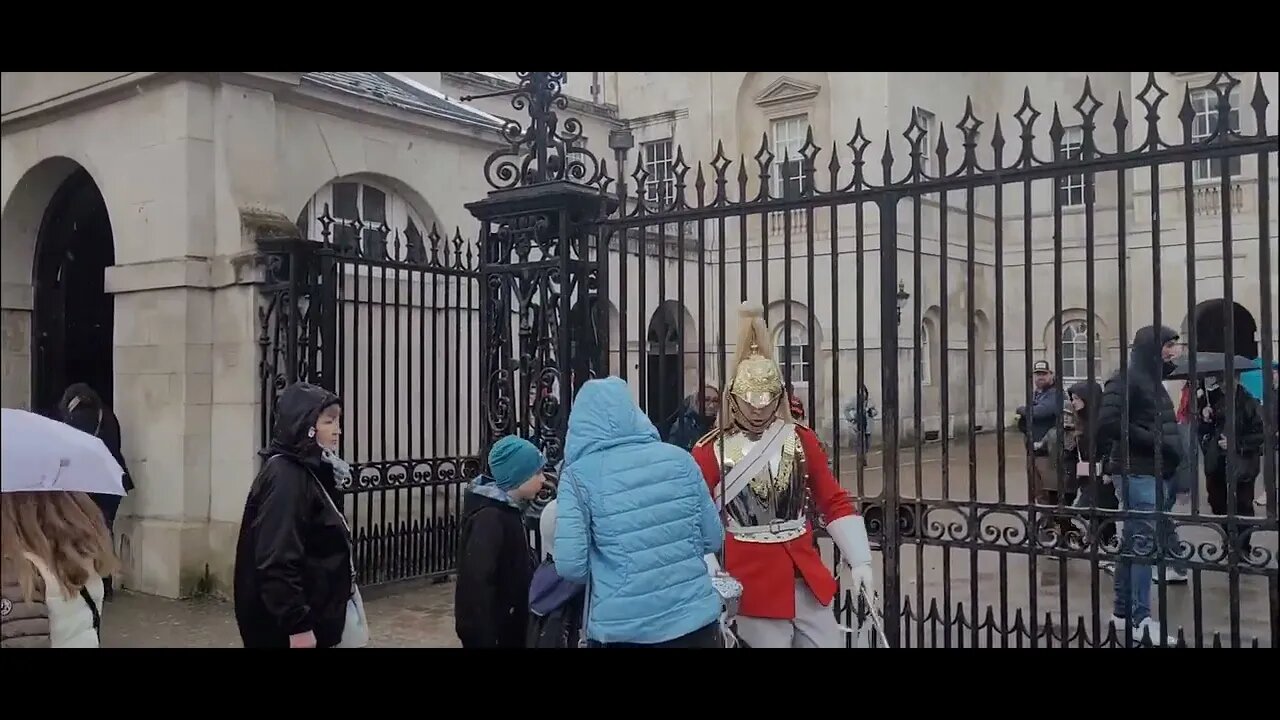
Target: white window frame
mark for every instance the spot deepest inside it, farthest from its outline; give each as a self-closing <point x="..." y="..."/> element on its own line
<point x="658" y="157"/>
<point x="1072" y="189"/>
<point x="926" y="355"/>
<point x="397" y="211"/>
<point x="1204" y="101"/>
<point x="1075" y="353"/>
<point x="801" y="352"/>
<point x="929" y="123"/>
<point x="788" y="135"/>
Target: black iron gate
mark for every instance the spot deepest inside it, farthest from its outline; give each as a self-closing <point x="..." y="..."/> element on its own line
<point x="896" y="258"/>
<point x="386" y="318"/>
<point x="964" y="246"/>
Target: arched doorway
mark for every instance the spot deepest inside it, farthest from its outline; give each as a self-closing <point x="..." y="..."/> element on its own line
<point x="73" y="318"/>
<point x="1211" y="328"/>
<point x="665" y="369"/>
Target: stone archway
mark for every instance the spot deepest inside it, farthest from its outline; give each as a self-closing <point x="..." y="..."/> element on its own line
<point x="58" y="323"/>
<point x="73" y="319"/>
<point x="666" y="345"/>
<point x="1211" y="328"/>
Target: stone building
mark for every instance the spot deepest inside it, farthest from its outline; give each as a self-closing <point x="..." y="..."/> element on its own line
<point x="133" y="204"/>
<point x="693" y="112"/>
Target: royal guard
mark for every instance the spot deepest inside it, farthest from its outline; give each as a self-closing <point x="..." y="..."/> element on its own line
<point x="761" y="466"/>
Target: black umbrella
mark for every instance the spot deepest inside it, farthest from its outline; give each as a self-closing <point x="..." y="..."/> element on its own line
<point x="1210" y="363"/>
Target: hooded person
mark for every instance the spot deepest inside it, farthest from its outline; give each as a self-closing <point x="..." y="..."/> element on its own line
<point x="555" y="604"/>
<point x="495" y="562"/>
<point x="762" y="466"/>
<point x="293" y="574"/>
<point x="82" y="408"/>
<point x="1150" y="458"/>
<point x="634" y="522"/>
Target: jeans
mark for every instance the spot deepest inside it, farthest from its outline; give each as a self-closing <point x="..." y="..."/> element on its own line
<point x="1133" y="579"/>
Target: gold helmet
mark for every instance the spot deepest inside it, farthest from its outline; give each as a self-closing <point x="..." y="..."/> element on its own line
<point x="757" y="379"/>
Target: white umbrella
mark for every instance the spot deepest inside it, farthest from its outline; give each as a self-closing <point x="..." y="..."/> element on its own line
<point x="43" y="455"/>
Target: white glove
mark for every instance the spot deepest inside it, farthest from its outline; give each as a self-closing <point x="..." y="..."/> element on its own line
<point x="850" y="535"/>
<point x="713" y="564"/>
<point x="861" y="576"/>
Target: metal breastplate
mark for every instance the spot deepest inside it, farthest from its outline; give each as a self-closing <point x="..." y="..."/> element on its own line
<point x="777" y="495"/>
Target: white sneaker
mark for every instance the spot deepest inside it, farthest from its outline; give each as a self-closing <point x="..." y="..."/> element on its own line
<point x="1172" y="576"/>
<point x="1146" y="632"/>
<point x="1107" y="566"/>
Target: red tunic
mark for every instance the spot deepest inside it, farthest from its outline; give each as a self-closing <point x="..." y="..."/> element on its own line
<point x="768" y="571"/>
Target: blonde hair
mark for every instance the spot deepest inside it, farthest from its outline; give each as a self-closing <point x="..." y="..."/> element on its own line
<point x="66" y="530"/>
<point x="753" y="339"/>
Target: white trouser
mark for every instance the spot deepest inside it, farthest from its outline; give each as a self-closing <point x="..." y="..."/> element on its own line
<point x="814" y="626"/>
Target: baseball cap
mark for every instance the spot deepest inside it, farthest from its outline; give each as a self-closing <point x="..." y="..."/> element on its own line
<point x="1040" y="366"/>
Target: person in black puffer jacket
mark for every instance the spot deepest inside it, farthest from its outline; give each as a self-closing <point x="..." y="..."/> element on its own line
<point x="1151" y="456"/>
<point x="293" y="573"/>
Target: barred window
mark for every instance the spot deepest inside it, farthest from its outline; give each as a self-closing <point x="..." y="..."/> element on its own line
<point x="788" y="169"/>
<point x="1205" y="123"/>
<point x="794" y="353"/>
<point x="660" y="185"/>
<point x="1072" y="188"/>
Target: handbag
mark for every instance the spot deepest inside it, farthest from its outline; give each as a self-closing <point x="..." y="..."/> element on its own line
<point x="355" y="628"/>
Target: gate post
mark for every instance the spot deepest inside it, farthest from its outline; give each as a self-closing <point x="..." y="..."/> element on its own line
<point x="288" y="320"/>
<point x="540" y="270"/>
<point x="889" y="545"/>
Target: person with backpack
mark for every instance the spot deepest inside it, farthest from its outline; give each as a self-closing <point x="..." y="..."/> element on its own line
<point x="555" y="604"/>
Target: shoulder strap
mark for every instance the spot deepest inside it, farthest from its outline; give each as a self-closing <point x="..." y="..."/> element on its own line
<point x="93" y="608"/>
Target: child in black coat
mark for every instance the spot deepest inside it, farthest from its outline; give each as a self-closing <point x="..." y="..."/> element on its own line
<point x="495" y="564"/>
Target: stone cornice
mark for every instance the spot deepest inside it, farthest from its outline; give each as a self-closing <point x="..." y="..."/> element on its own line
<point x="77" y="101"/>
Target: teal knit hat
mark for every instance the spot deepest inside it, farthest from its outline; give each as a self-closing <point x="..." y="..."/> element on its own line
<point x="512" y="461"/>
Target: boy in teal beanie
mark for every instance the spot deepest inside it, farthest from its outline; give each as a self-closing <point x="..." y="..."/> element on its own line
<point x="495" y="564"/>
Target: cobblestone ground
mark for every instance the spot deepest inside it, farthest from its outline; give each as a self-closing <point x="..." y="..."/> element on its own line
<point x="416" y="614"/>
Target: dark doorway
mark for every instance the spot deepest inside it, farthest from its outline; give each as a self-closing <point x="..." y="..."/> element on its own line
<point x="1211" y="328"/>
<point x="665" y="378"/>
<point x="73" y="318"/>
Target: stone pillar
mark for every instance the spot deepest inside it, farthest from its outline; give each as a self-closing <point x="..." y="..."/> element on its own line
<point x="163" y="393"/>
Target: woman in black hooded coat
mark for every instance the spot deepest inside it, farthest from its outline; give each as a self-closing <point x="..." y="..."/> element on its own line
<point x="293" y="574"/>
<point x="82" y="408"/>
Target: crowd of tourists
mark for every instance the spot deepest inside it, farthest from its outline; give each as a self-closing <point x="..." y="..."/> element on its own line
<point x="696" y="537"/>
<point x="1125" y="446"/>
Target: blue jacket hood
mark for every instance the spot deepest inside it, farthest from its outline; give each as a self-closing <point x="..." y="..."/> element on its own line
<point x="605" y="416"/>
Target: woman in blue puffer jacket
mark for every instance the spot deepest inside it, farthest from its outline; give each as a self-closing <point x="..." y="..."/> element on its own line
<point x="635" y="521"/>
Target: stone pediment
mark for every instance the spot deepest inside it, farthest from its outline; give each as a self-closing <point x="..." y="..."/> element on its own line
<point x="787" y="90"/>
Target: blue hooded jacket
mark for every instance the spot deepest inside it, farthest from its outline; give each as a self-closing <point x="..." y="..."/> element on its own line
<point x="636" y="519"/>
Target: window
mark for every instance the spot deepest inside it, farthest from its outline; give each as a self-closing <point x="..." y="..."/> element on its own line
<point x="926" y="356"/>
<point x="1205" y="104"/>
<point x="661" y="184"/>
<point x="1071" y="188"/>
<point x="794" y="353"/>
<point x="1075" y="353"/>
<point x="788" y="138"/>
<point x="929" y="122"/>
<point x="368" y="205"/>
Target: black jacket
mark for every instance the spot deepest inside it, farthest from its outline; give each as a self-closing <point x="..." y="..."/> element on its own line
<point x="93" y="416"/>
<point x="495" y="566"/>
<point x="1250" y="434"/>
<point x="293" y="558"/>
<point x="1153" y="425"/>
